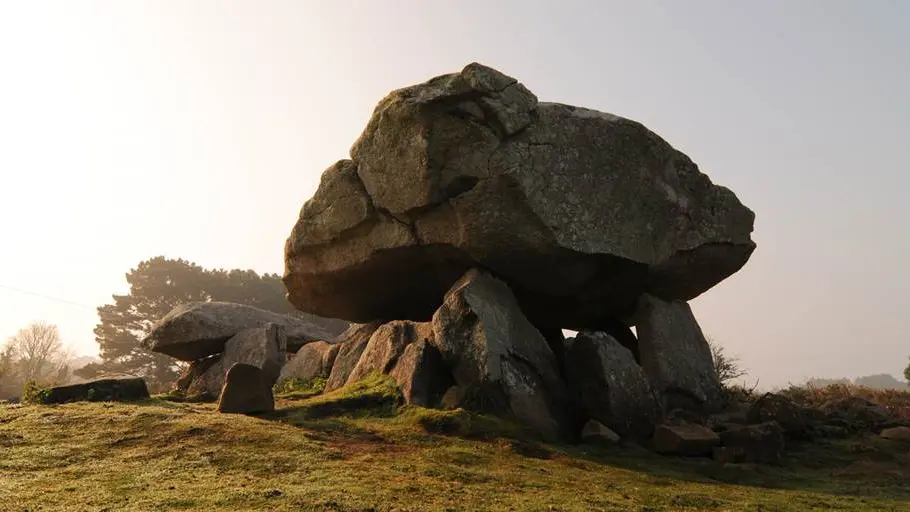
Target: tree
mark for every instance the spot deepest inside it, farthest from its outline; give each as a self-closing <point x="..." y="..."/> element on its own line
<point x="726" y="367"/>
<point x="157" y="286"/>
<point x="39" y="354"/>
<point x="907" y="373"/>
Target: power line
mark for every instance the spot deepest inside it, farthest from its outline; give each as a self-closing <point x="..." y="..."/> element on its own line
<point x="47" y="297"/>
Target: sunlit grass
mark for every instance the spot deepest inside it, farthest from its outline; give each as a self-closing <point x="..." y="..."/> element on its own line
<point x="358" y="449"/>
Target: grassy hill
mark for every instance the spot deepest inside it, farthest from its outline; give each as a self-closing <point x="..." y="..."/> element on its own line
<point x="357" y="450"/>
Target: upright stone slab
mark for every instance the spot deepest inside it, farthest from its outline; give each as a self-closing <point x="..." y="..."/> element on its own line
<point x="676" y="356"/>
<point x="313" y="360"/>
<point x="497" y="357"/>
<point x="246" y="391"/>
<point x="421" y="374"/>
<point x="386" y="345"/>
<point x="609" y="386"/>
<point x="353" y="343"/>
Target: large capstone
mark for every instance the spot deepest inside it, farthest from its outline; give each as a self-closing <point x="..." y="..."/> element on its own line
<point x="579" y="211"/>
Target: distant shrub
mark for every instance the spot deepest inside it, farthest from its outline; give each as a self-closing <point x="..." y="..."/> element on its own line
<point x="33" y="393"/>
<point x="728" y="368"/>
<point x="897" y="402"/>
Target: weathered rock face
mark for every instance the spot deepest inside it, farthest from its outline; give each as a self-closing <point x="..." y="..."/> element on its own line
<point x="352" y="344"/>
<point x="608" y="385"/>
<point x="676" y="356"/>
<point x="386" y="345"/>
<point x="311" y="361"/>
<point x="195" y="330"/>
<point x="262" y="347"/>
<point x="763" y="442"/>
<point x="500" y="362"/>
<point x="104" y="390"/>
<point x="579" y="211"/>
<point x="421" y="374"/>
<point x="246" y="391"/>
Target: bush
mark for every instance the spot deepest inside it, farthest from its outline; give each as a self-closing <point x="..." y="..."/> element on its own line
<point x="897" y="402"/>
<point x="33" y="393"/>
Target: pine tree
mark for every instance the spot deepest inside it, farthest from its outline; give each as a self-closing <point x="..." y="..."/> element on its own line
<point x="157" y="286"/>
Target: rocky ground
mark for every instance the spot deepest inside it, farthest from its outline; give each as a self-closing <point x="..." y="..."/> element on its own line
<point x="358" y="449"/>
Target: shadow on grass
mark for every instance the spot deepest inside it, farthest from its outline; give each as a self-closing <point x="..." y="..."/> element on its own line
<point x="372" y="411"/>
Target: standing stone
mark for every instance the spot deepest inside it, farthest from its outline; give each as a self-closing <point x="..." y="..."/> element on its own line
<point x="313" y="360"/>
<point x="196" y="330"/>
<point x="352" y="344"/>
<point x="386" y="345"/>
<point x="608" y="385"/>
<point x="246" y="391"/>
<point x="499" y="360"/>
<point x="676" y="356"/>
<point x="421" y="374"/>
<point x="262" y="347"/>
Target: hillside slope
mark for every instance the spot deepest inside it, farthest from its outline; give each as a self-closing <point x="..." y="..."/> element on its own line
<point x="356" y="450"/>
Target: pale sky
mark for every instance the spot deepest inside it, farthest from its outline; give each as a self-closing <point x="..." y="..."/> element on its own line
<point x="197" y="129"/>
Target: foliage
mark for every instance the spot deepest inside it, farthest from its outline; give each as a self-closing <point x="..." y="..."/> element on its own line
<point x="726" y="367"/>
<point x="907" y="373"/>
<point x="300" y="386"/>
<point x="35" y="354"/>
<point x="33" y="393"/>
<point x="160" y="455"/>
<point x="157" y="286"/>
<point x="897" y="402"/>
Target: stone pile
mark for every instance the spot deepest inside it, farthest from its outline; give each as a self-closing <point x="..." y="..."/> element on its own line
<point x="216" y="336"/>
<point x="471" y="226"/>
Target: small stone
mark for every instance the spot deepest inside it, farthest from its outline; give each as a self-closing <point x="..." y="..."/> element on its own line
<point x="897" y="434"/>
<point x="596" y="432"/>
<point x="754" y="443"/>
<point x="686" y="440"/>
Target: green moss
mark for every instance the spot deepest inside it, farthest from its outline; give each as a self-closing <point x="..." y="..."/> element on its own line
<point x="300" y="388"/>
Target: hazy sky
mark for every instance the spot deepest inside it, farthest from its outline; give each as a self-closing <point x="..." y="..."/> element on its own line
<point x="197" y="130"/>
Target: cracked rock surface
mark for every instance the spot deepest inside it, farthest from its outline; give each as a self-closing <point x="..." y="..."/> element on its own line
<point x="579" y="211"/>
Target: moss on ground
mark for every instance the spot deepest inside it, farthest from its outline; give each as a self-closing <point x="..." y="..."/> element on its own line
<point x="358" y="449"/>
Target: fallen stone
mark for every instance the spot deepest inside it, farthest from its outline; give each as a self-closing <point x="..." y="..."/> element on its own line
<point x="608" y="385"/>
<point x="792" y="417"/>
<point x="196" y="330"/>
<point x="858" y="414"/>
<point x="352" y="344"/>
<point x="753" y="443"/>
<point x="105" y="390"/>
<point x="579" y="211"/>
<point x="676" y="356"/>
<point x="499" y="360"/>
<point x="421" y="374"/>
<point x="596" y="432"/>
<point x="246" y="391"/>
<point x="897" y="434"/>
<point x="686" y="440"/>
<point x="313" y="360"/>
<point x="262" y="347"/>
